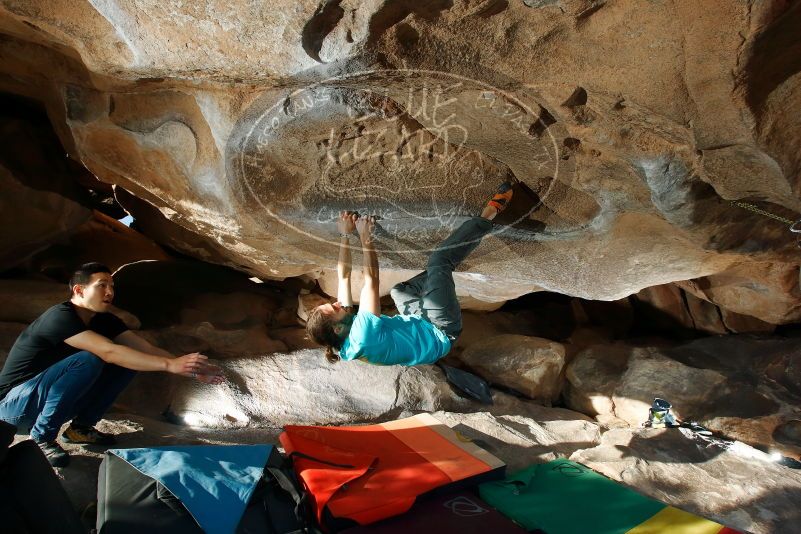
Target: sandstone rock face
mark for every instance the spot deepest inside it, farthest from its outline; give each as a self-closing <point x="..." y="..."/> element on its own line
<point x="530" y="365"/>
<point x="743" y="387"/>
<point x="171" y="293"/>
<point x="32" y="219"/>
<point x="236" y="133"/>
<point x="748" y="494"/>
<point x="768" y="291"/>
<point x="479" y="326"/>
<point x="683" y="306"/>
<point x="307" y="302"/>
<point x="44" y="208"/>
<point x="216" y="342"/>
<point x="653" y="375"/>
<point x="538" y="436"/>
<point x="295" y="388"/>
<point x="592" y="377"/>
<point x="102" y="239"/>
<point x="473" y="293"/>
<point x="25" y="300"/>
<point x="40" y="203"/>
<point x="267" y="386"/>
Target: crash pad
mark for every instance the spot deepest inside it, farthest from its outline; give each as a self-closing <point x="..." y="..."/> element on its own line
<point x="369" y="473"/>
<point x="564" y="497"/>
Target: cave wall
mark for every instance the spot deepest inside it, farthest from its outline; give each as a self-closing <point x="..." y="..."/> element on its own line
<point x="235" y="132"/>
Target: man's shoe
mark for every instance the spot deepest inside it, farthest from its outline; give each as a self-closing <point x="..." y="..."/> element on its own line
<point x="87" y="435"/>
<point x="57" y="456"/>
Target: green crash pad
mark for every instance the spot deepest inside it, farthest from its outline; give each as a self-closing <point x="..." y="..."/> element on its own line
<point x="563" y="497"/>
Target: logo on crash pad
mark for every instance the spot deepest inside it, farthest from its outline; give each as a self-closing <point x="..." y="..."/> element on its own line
<point x="464" y="507"/>
<point x="422" y="150"/>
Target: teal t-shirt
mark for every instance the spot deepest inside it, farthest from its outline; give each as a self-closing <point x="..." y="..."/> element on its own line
<point x="398" y="340"/>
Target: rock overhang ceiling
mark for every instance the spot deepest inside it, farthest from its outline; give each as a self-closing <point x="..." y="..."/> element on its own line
<point x="237" y="130"/>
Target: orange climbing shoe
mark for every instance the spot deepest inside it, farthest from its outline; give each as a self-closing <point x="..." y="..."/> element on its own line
<point x="502" y="198"/>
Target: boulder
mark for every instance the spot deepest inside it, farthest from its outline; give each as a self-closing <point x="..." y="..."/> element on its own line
<point x="536" y="436"/>
<point x="789" y="433"/>
<point x="216" y="342"/>
<point x="471" y="295"/>
<point x="102" y="239"/>
<point x="650" y="374"/>
<point x="165" y="293"/>
<point x="769" y="291"/>
<point x="706" y="316"/>
<point x="48" y="217"/>
<point x="25" y="300"/>
<point x="743" y="491"/>
<point x="592" y="376"/>
<point x="294" y="388"/>
<point x="234" y="136"/>
<point x="301" y="387"/>
<point x="744" y="387"/>
<point x="530" y="365"/>
<point x="668" y="309"/>
<point x="478" y="326"/>
<point x="41" y="204"/>
<point x="685" y="309"/>
<point x="745" y="324"/>
<point x="242" y="153"/>
<point x="293" y="337"/>
<point x="307" y="302"/>
<point x="664" y="308"/>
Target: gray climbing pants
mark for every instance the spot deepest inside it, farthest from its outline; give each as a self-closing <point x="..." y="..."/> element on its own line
<point x="432" y="293"/>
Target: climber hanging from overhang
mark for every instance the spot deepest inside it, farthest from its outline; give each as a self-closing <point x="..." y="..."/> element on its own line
<point x="429" y="319"/>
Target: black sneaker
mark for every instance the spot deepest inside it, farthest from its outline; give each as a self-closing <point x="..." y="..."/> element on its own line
<point x="57" y="456"/>
<point x="87" y="435"/>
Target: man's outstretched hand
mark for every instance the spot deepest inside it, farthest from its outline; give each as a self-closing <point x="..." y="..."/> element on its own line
<point x="365" y="225"/>
<point x="196" y="365"/>
<point x="346" y="223"/>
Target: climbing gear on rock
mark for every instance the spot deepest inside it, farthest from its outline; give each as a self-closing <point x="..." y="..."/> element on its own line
<point x="754" y="209"/>
<point x="659" y="415"/>
<point x="696" y="427"/>
<point x="795" y="226"/>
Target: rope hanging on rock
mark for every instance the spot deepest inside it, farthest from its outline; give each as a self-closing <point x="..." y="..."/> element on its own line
<point x="795" y="226"/>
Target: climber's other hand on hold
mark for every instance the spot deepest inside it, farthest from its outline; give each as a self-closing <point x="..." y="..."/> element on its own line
<point x="365" y="225"/>
<point x="346" y="223"/>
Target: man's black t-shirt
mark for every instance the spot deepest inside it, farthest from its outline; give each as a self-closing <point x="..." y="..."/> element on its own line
<point x="42" y="344"/>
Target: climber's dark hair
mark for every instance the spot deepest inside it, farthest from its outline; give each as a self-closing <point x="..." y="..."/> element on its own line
<point x="320" y="328"/>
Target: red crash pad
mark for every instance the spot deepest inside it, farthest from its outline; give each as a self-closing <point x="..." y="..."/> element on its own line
<point x="369" y="473"/>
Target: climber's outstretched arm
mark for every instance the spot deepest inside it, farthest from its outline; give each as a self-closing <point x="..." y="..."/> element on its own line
<point x="369" y="298"/>
<point x="346" y="224"/>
